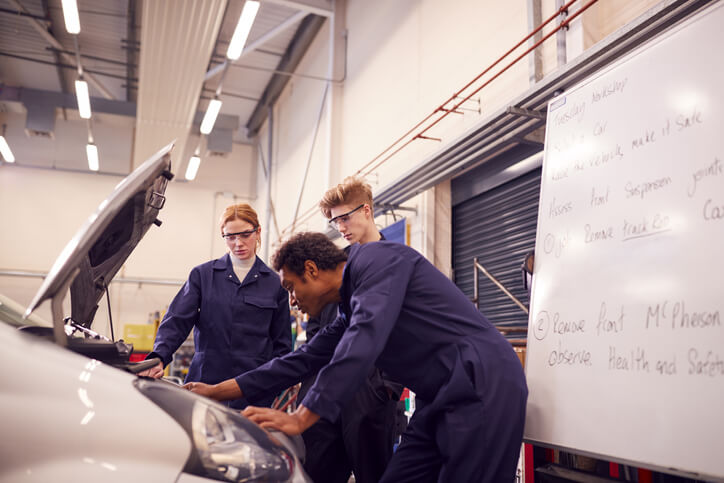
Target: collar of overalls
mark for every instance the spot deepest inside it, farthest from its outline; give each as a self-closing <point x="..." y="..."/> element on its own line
<point x="224" y="263"/>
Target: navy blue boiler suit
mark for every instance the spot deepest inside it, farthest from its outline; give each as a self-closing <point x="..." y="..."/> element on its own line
<point x="404" y="316"/>
<point x="362" y="438"/>
<point x="240" y="325"/>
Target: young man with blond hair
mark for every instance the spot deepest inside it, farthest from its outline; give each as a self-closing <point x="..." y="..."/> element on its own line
<point x="349" y="208"/>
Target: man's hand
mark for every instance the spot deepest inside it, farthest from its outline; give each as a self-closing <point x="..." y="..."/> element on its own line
<point x="291" y="424"/>
<point x="155" y="372"/>
<point x="222" y="391"/>
<point x="201" y="389"/>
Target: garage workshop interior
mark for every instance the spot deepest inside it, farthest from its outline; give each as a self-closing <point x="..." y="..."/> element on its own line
<point x="337" y="241"/>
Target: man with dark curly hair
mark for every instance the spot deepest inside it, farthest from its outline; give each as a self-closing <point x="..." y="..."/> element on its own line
<point x="360" y="441"/>
<point x="400" y="313"/>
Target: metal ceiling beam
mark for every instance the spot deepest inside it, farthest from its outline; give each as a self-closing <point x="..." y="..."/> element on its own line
<point x="61" y="78"/>
<point x="16" y="13"/>
<point x="66" y="100"/>
<point x="130" y="53"/>
<point x="290" y="60"/>
<point x="229" y="94"/>
<point x="317" y="8"/>
<point x="91" y="57"/>
<point x="23" y="95"/>
<point x="258" y="43"/>
<point x="41" y="29"/>
<point x="63" y="66"/>
<point x="289" y="74"/>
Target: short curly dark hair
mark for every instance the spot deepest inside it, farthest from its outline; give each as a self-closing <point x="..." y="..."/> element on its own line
<point x="308" y="246"/>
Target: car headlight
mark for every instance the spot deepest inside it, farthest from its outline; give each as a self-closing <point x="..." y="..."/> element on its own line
<point x="228" y="450"/>
<point x="226" y="445"/>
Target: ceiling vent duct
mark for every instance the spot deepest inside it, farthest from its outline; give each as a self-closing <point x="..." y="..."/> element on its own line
<point x="40" y="121"/>
<point x="220" y="141"/>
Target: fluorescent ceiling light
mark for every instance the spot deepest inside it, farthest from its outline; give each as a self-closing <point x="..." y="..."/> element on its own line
<point x="5" y="150"/>
<point x="81" y="93"/>
<point x="193" y="167"/>
<point x="241" y="32"/>
<point x="207" y="124"/>
<point x="91" y="150"/>
<point x="70" y="14"/>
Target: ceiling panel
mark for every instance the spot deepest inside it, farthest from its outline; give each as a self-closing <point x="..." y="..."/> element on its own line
<point x="155" y="62"/>
<point x="177" y="40"/>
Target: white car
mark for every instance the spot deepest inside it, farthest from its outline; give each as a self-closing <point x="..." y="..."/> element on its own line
<point x="72" y="408"/>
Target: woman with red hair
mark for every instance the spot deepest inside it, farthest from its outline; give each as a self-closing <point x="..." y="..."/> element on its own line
<point x="236" y="305"/>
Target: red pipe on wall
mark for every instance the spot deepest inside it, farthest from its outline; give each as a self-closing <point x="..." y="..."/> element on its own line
<point x="446" y="112"/>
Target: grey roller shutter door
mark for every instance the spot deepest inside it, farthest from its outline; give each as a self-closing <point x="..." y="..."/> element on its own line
<point x="498" y="227"/>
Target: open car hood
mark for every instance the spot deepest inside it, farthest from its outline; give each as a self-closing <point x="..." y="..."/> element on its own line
<point x="100" y="247"/>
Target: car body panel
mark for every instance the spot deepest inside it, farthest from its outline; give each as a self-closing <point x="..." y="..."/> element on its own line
<point x="70" y="418"/>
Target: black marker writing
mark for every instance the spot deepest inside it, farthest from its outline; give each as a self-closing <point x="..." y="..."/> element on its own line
<point x="608" y="323"/>
<point x="714" y="169"/>
<point x="559" y="209"/>
<point x="712" y="211"/>
<point x="575" y="112"/>
<point x="635" y="360"/>
<point x="565" y="356"/>
<point x="683" y="122"/>
<point x="706" y="365"/>
<point x="646" y="187"/>
<point x="609" y="89"/>
<point x="595" y="235"/>
<point x="599" y="199"/>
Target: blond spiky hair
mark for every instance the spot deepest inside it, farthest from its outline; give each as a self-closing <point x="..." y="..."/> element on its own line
<point x="352" y="190"/>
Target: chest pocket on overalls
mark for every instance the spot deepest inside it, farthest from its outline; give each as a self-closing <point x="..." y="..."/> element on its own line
<point x="258" y="315"/>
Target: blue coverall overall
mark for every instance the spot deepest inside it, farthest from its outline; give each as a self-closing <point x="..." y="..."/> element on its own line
<point x="362" y="438"/>
<point x="240" y="325"/>
<point x="401" y="314"/>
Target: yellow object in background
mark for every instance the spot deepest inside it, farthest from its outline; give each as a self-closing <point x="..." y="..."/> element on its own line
<point x="140" y="335"/>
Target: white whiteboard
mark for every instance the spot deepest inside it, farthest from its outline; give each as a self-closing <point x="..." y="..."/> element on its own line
<point x="625" y="355"/>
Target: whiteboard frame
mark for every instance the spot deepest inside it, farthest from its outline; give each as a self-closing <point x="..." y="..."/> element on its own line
<point x="681" y="23"/>
<point x="623" y="461"/>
